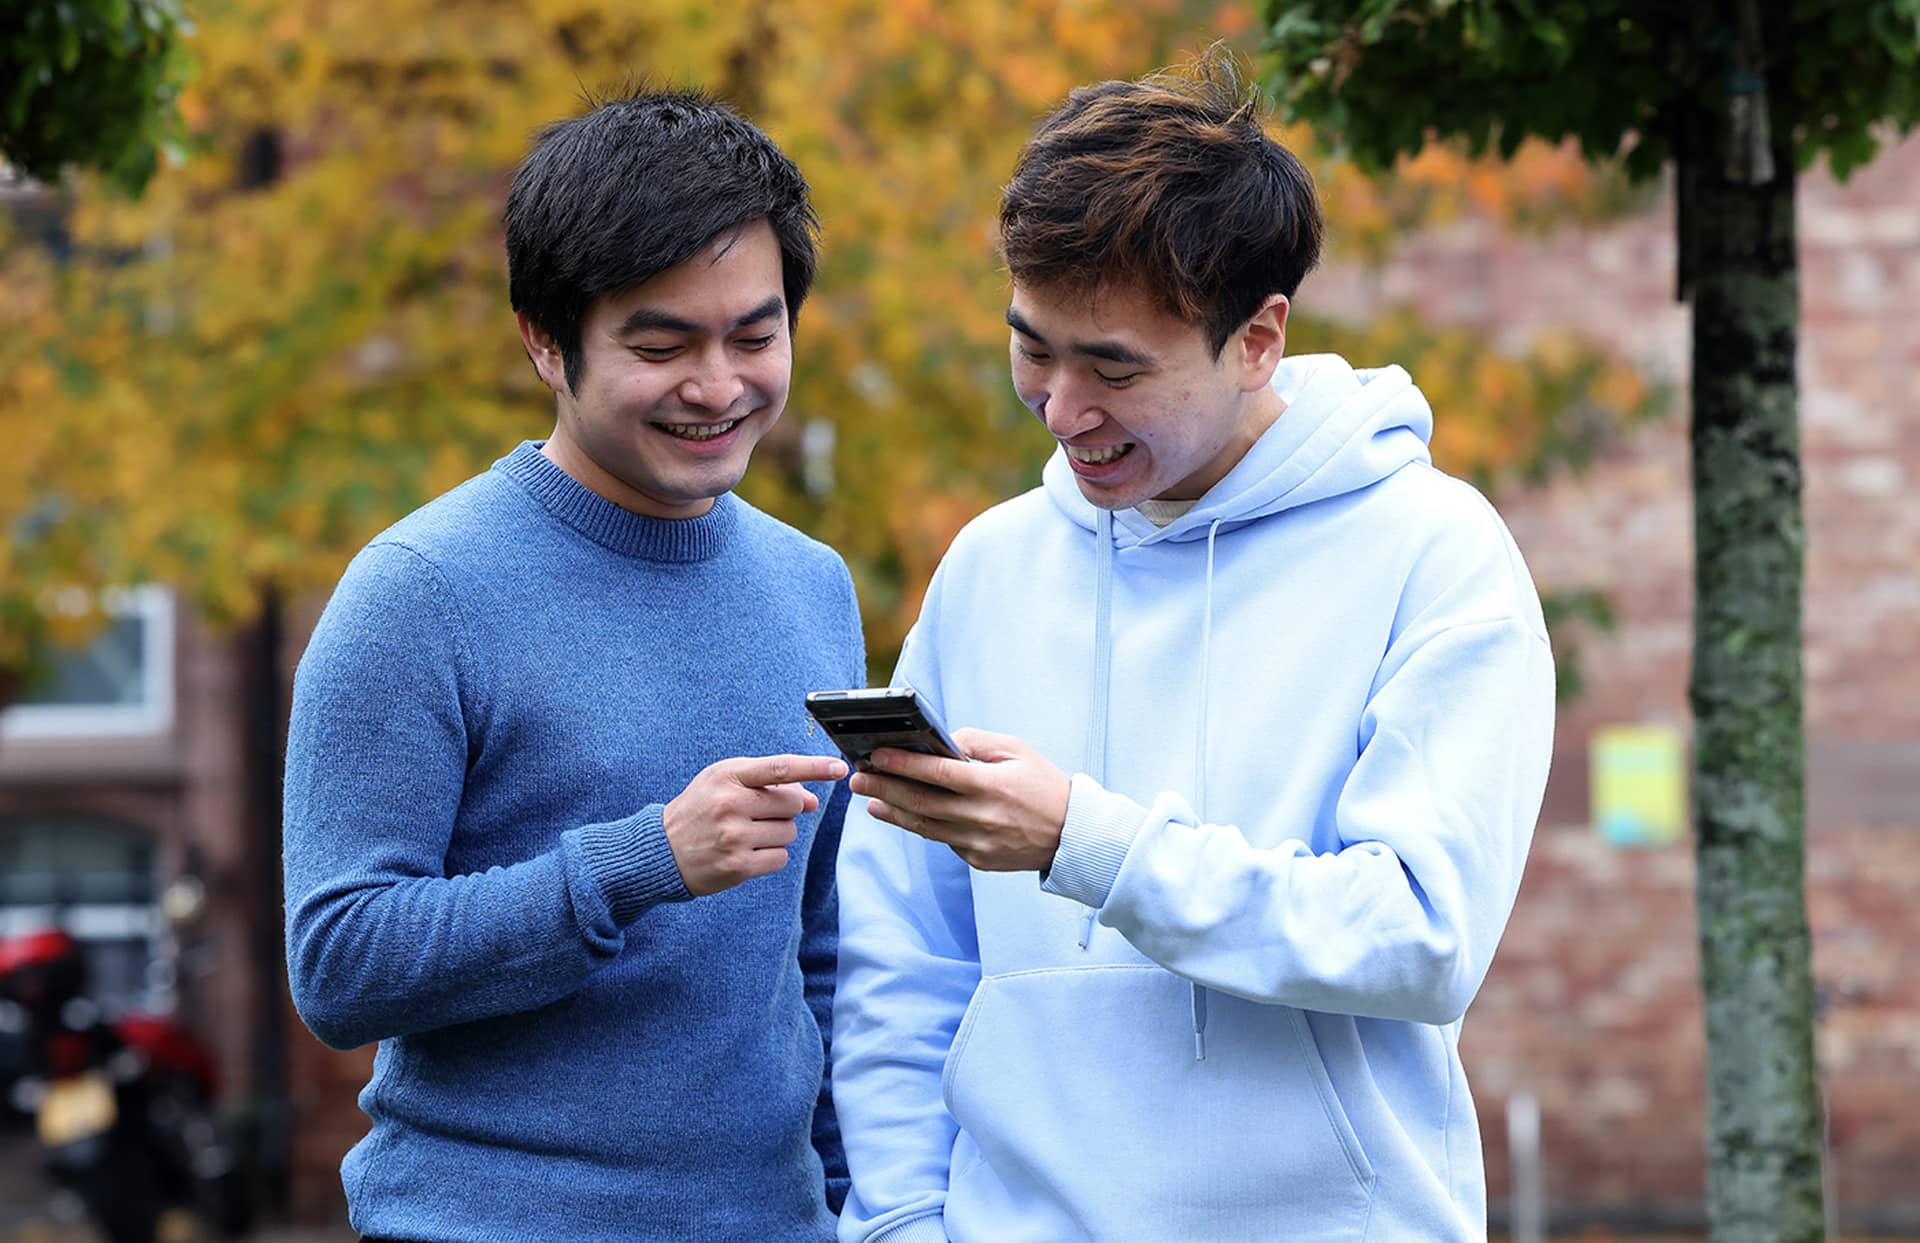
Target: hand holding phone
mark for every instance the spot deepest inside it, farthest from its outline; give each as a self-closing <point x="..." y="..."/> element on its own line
<point x="860" y="722"/>
<point x="1001" y="811"/>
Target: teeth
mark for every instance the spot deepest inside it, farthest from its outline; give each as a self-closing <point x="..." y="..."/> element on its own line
<point x="1097" y="457"/>
<point x="698" y="431"/>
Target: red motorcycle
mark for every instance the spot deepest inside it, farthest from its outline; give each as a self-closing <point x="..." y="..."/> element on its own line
<point x="123" y="1108"/>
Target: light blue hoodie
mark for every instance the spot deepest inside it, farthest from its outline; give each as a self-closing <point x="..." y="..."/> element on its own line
<point x="1309" y="723"/>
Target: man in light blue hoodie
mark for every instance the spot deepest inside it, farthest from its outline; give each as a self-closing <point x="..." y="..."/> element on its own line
<point x="1260" y="706"/>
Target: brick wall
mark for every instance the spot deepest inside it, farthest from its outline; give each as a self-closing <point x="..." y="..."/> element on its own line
<point x="322" y="1097"/>
<point x="1593" y="1002"/>
<point x="1593" y="1006"/>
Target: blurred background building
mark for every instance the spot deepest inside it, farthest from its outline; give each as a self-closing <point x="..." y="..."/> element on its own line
<point x="139" y="775"/>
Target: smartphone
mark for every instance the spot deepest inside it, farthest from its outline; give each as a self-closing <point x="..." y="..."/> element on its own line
<point x="861" y="722"/>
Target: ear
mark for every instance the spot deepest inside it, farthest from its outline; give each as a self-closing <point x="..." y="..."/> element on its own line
<point x="545" y="354"/>
<point x="1256" y="348"/>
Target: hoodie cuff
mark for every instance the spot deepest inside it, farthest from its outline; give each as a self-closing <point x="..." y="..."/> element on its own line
<point x="633" y="863"/>
<point x="928" y="1229"/>
<point x="1094" y="842"/>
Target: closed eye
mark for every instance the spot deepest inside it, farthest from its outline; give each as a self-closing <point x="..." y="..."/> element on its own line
<point x="1116" y="381"/>
<point x="757" y="343"/>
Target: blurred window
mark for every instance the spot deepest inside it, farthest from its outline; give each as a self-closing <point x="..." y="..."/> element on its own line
<point x="118" y="683"/>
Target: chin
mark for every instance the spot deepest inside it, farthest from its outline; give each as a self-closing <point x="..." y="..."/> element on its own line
<point x="1105" y="498"/>
<point x="716" y="484"/>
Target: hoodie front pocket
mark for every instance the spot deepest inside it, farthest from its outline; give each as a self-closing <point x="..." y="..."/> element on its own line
<point x="1093" y="1118"/>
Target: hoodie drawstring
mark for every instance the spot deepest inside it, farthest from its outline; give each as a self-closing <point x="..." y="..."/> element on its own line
<point x="1200" y="770"/>
<point x="1096" y="759"/>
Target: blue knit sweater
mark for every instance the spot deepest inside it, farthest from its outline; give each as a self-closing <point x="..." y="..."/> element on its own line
<point x="505" y="690"/>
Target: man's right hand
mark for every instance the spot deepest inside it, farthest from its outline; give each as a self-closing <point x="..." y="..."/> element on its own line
<point x="734" y="821"/>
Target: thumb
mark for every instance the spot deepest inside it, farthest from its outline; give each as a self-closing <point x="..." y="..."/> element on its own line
<point x="981" y="744"/>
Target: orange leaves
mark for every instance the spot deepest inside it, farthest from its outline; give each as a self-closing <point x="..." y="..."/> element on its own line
<point x="1496" y="415"/>
<point x="1543" y="185"/>
<point x="231" y="386"/>
<point x="1233" y="19"/>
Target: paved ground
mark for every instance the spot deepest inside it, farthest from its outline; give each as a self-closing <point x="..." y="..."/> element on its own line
<point x="43" y="1231"/>
<point x="30" y="1212"/>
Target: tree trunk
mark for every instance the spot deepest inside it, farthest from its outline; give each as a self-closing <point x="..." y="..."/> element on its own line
<point x="1764" y="1129"/>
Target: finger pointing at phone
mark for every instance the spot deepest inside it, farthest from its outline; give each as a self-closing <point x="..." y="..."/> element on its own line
<point x="1002" y="812"/>
<point x="735" y="820"/>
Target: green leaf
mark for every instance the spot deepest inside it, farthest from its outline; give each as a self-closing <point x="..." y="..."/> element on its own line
<point x="1851" y="151"/>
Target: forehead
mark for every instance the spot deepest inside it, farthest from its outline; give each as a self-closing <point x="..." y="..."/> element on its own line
<point x="730" y="276"/>
<point x="1108" y="312"/>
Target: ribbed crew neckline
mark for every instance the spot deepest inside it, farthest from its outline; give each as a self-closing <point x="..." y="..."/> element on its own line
<point x="610" y="526"/>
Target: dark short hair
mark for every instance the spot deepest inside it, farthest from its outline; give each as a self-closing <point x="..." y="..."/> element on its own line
<point x="640" y="183"/>
<point x="1168" y="184"/>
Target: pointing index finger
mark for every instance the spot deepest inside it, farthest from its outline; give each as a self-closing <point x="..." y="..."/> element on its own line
<point x="772" y="770"/>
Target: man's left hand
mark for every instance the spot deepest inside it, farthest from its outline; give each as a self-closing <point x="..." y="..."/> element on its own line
<point x="1001" y="813"/>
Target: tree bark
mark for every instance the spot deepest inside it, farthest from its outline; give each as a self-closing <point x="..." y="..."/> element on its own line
<point x="1764" y="1131"/>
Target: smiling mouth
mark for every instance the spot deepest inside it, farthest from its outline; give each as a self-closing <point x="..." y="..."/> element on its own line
<point x="698" y="431"/>
<point x="1100" y="456"/>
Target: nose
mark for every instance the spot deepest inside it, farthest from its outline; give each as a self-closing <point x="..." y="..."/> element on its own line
<point x="714" y="384"/>
<point x="1067" y="414"/>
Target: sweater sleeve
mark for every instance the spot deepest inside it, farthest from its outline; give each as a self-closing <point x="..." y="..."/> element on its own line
<point x="380" y="941"/>
<point x="909" y="964"/>
<point x="1434" y="822"/>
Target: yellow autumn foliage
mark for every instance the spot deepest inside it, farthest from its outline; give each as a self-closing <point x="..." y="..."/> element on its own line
<point x="237" y="380"/>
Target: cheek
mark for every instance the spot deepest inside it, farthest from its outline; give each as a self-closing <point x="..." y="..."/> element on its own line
<point x="770" y="372"/>
<point x="1153" y="422"/>
<point x="1027" y="386"/>
<point x="638" y="389"/>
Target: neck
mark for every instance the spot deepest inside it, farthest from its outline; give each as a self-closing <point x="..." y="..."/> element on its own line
<point x="1264" y="409"/>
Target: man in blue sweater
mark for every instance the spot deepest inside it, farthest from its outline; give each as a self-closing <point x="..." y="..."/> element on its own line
<point x="1181" y="957"/>
<point x="559" y="834"/>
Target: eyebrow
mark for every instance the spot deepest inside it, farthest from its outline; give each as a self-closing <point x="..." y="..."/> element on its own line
<point x="646" y="317"/>
<point x="1111" y="351"/>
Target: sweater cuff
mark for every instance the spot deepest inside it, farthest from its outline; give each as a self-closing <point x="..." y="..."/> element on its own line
<point x="633" y="863"/>
<point x="1094" y="842"/>
<point x="931" y="1228"/>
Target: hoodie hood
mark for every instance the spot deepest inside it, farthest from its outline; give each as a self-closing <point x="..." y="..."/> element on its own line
<point x="1343" y="430"/>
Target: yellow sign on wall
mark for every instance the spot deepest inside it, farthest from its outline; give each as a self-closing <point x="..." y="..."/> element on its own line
<point x="1639" y="782"/>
